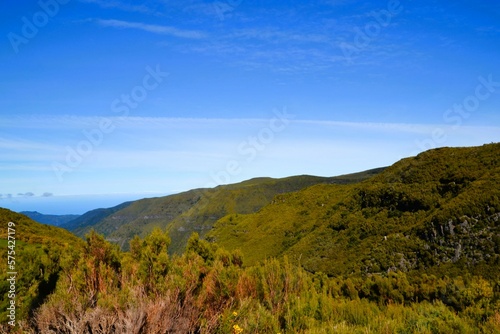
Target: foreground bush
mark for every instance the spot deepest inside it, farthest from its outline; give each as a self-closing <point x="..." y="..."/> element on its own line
<point x="207" y="290"/>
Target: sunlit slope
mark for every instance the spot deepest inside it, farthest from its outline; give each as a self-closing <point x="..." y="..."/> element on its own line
<point x="440" y="209"/>
<point x="29" y="231"/>
<point x="197" y="210"/>
<point x="37" y="254"/>
<point x="84" y="223"/>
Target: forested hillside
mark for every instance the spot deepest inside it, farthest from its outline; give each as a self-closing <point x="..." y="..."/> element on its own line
<point x="83" y="224"/>
<point x="195" y="210"/>
<point x="210" y="290"/>
<point x="38" y="254"/>
<point x="438" y="212"/>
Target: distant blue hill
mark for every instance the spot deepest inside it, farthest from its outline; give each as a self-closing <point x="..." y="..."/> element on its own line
<point x="55" y="220"/>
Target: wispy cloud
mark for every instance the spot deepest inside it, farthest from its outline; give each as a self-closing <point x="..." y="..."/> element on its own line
<point x="488" y="30"/>
<point x="58" y="123"/>
<point x="275" y="35"/>
<point x="315" y="47"/>
<point x="120" y="5"/>
<point x="23" y="145"/>
<point x="162" y="154"/>
<point x="153" y="28"/>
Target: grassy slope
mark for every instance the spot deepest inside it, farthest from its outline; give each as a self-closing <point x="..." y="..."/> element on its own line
<point x="197" y="210"/>
<point x="439" y="209"/>
<point x="40" y="251"/>
<point x="29" y="231"/>
<point x="83" y="224"/>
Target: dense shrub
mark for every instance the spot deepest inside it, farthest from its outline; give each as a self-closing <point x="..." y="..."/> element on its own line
<point x="207" y="290"/>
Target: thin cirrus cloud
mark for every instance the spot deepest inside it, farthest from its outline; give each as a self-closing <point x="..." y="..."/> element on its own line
<point x="221" y="126"/>
<point x="119" y="5"/>
<point x="167" y="154"/>
<point x="152" y="28"/>
<point x="20" y="145"/>
<point x="181" y="144"/>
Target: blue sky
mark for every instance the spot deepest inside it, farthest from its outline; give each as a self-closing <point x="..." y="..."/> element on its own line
<point x="117" y="100"/>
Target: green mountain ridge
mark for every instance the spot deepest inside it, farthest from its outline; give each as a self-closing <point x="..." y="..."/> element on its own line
<point x="440" y="209"/>
<point x="81" y="224"/>
<point x="196" y="210"/>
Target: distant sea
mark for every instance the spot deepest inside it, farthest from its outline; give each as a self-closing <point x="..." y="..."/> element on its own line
<point x="74" y="204"/>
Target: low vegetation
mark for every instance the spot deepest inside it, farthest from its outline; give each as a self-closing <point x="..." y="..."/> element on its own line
<point x="39" y="254"/>
<point x="208" y="290"/>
